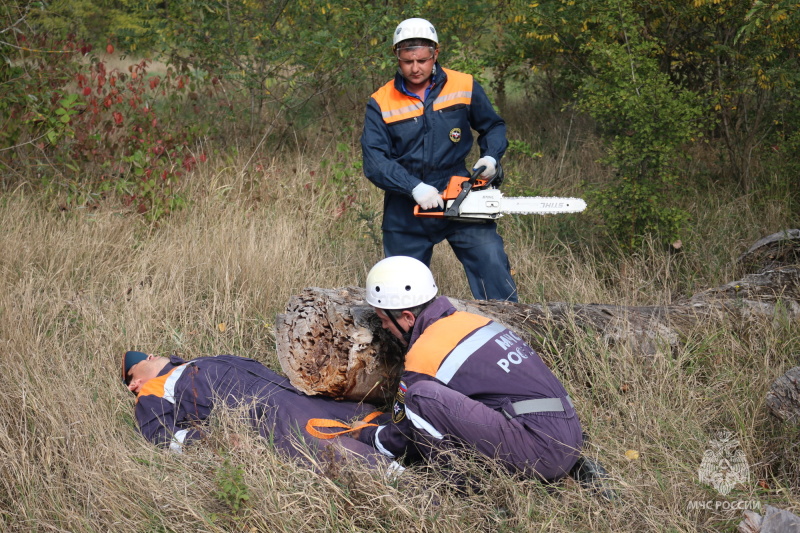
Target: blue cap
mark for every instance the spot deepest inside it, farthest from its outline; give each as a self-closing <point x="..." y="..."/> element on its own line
<point x="130" y="359"/>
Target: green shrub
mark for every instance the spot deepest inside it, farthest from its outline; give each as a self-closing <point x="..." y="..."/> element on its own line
<point x="644" y="120"/>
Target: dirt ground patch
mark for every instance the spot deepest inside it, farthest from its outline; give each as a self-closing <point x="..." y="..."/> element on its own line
<point x="121" y="62"/>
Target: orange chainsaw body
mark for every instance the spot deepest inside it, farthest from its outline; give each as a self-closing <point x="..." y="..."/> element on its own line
<point x="450" y="193"/>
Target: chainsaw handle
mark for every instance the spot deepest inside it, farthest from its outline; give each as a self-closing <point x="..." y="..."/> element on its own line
<point x="466" y="186"/>
<point x="497" y="180"/>
<point x="427" y="214"/>
<point x="474" y="177"/>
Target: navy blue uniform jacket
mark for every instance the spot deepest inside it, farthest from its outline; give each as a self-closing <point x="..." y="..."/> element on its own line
<point x="430" y="147"/>
<point x="170" y="408"/>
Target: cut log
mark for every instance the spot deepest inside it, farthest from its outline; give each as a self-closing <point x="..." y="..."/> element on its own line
<point x="329" y="341"/>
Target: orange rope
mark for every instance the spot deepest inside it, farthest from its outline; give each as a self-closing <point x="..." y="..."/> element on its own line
<point x="314" y="423"/>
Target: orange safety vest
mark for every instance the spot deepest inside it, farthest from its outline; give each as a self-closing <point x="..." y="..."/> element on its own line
<point x="433" y="349"/>
<point x="162" y="386"/>
<point x="396" y="106"/>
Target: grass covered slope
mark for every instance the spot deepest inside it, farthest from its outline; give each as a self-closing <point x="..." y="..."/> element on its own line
<point x="79" y="287"/>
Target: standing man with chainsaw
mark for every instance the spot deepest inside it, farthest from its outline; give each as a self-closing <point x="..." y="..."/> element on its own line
<point x="467" y="382"/>
<point x="417" y="134"/>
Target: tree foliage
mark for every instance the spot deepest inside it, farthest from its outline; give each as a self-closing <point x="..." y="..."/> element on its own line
<point x="656" y="76"/>
<point x="286" y="55"/>
<point x="726" y="69"/>
<point x="88" y="129"/>
<point x="645" y="121"/>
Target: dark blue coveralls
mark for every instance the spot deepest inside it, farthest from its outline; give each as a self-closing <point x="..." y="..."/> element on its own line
<point x="170" y="408"/>
<point x="469" y="381"/>
<point x="430" y="148"/>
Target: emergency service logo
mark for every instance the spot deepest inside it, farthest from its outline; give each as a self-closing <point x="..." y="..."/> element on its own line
<point x="724" y="464"/>
<point x="455" y="135"/>
<point x="399" y="407"/>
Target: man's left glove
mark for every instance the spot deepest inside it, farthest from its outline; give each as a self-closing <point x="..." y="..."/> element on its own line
<point x="427" y="196"/>
<point x="491" y="166"/>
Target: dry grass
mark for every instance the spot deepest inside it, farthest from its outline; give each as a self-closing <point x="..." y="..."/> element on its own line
<point x="78" y="288"/>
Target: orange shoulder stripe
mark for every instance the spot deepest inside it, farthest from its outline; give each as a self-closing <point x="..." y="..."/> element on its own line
<point x="457" y="90"/>
<point x="441" y="337"/>
<point x="155" y="386"/>
<point x="396" y="106"/>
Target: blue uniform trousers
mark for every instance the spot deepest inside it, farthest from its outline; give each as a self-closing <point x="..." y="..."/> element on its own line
<point x="477" y="245"/>
<point x="544" y="445"/>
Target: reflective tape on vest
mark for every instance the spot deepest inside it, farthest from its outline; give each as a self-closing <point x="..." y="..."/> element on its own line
<point x="163" y="386"/>
<point x="457" y="90"/>
<point x="462" y="352"/>
<point x="442" y="339"/>
<point x="403" y="113"/>
<point x="396" y="106"/>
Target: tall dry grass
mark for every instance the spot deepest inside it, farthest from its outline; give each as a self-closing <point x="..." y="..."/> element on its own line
<point x="79" y="288"/>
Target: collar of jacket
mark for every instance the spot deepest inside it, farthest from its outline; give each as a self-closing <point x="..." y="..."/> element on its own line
<point x="174" y="361"/>
<point x="440" y="308"/>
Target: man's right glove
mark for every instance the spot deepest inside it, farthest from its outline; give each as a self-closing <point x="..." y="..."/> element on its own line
<point x="491" y="166"/>
<point x="427" y="196"/>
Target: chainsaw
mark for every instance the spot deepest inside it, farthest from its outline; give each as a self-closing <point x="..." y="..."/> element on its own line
<point x="474" y="199"/>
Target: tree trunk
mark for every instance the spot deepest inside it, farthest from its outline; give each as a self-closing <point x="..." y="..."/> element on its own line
<point x="329" y="341"/>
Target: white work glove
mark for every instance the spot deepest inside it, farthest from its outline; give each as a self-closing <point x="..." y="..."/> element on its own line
<point x="491" y="166"/>
<point x="427" y="197"/>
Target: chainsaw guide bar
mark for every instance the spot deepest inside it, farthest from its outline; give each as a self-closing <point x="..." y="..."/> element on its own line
<point x="471" y="200"/>
<point x="490" y="203"/>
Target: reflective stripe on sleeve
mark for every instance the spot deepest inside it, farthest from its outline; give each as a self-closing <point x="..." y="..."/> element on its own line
<point x="379" y="446"/>
<point x="424" y="425"/>
<point x="394" y="470"/>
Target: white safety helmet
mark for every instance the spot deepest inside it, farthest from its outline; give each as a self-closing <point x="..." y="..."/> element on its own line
<point x="400" y="282"/>
<point x="414" y="29"/>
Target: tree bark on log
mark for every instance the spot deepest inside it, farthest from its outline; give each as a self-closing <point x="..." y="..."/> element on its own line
<point x="329" y="341"/>
<point x="779" y="249"/>
<point x="783" y="398"/>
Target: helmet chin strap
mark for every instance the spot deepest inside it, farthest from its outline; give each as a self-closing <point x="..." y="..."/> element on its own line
<point x="406" y="334"/>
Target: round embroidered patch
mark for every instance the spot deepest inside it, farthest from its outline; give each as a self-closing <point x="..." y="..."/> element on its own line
<point x="455" y="135"/>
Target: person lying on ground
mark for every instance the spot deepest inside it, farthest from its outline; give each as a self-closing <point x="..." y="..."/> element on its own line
<point x="174" y="397"/>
